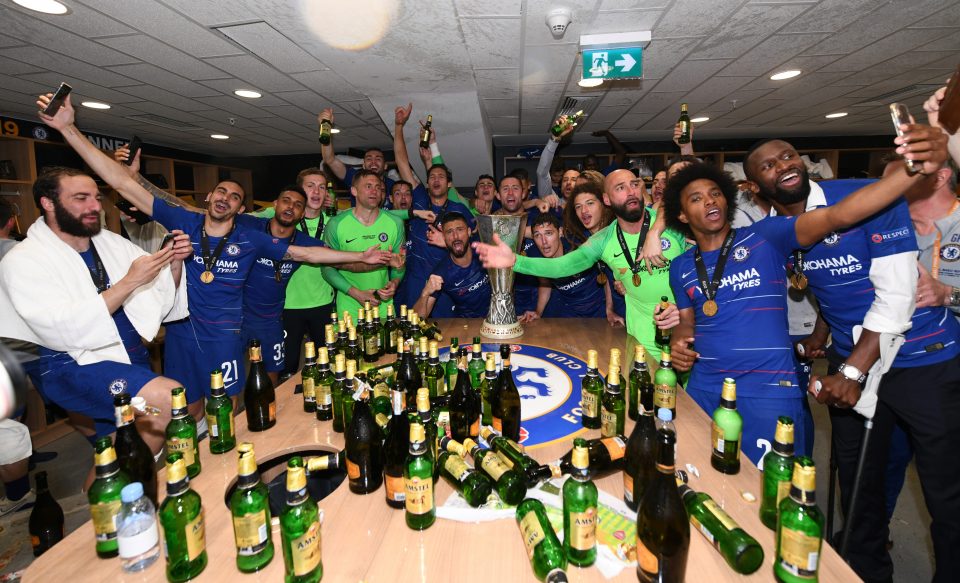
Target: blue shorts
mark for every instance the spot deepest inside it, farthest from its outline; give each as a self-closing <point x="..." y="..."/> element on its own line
<point x="760" y="421"/>
<point x="89" y="389"/>
<point x="271" y="339"/>
<point x="190" y="361"/>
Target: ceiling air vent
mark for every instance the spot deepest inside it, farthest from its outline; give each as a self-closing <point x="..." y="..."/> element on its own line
<point x="164" y="122"/>
<point x="574" y="103"/>
<point x="898" y="95"/>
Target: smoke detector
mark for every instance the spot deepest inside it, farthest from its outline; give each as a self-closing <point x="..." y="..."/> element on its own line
<point x="558" y="20"/>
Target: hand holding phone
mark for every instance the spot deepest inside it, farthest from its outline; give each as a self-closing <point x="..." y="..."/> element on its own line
<point x="901" y="115"/>
<point x="58" y="98"/>
<point x="166" y="241"/>
<point x="134" y="147"/>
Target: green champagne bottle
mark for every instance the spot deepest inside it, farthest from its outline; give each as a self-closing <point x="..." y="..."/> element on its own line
<point x="434" y="375"/>
<point x="325" y="134"/>
<point x="381" y="406"/>
<point x="639" y="381"/>
<point x="476" y="366"/>
<point x="339" y="380"/>
<point x="219" y="410"/>
<point x="662" y="337"/>
<point x="799" y="527"/>
<point x="342" y="341"/>
<point x="371" y="338"/>
<point x="181" y="518"/>
<point x="429" y="427"/>
<point x="639" y="463"/>
<point x="591" y="391"/>
<point x="134" y="455"/>
<point x="727" y="430"/>
<point x="571" y="120"/>
<point x="423" y="350"/>
<point x="104" y="497"/>
<point x="258" y="395"/>
<point x="580" y="509"/>
<point x="395" y="449"/>
<point x="331" y="210"/>
<point x="250" y="509"/>
<point x="507" y="412"/>
<point x="464" y="405"/>
<point x="453" y="361"/>
<point x="309" y="377"/>
<point x="512" y="454"/>
<point x="421" y="512"/>
<point x="323" y="385"/>
<point x="390" y="331"/>
<point x="474" y="486"/>
<point x="544" y="550"/>
<point x="663" y="534"/>
<point x="777" y="473"/>
<point x="330" y="340"/>
<point x="426" y="132"/>
<point x="508" y="482"/>
<point x="616" y="361"/>
<point x="182" y="432"/>
<point x="740" y="550"/>
<point x="684" y="122"/>
<point x="613" y="414"/>
<point x="409" y="380"/>
<point x="300" y="529"/>
<point x="488" y="389"/>
<point x="665" y="385"/>
<point x="354" y="352"/>
<point x="348" y="389"/>
<point x="381" y="332"/>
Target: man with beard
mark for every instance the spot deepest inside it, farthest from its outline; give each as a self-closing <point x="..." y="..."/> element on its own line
<point x="224" y="254"/>
<point x="373" y="160"/>
<point x="619" y="246"/>
<point x="458" y="276"/>
<point x="865" y="279"/>
<point x="266" y="286"/>
<point x="87" y="296"/>
<point x="526" y="288"/>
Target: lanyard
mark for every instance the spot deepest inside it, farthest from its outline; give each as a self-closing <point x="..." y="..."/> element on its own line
<point x="305" y="229"/>
<point x="798" y="280"/>
<point x="210" y="260"/>
<point x="633" y="259"/>
<point x="935" y="262"/>
<point x="709" y="288"/>
<point x="98" y="273"/>
<point x="278" y="264"/>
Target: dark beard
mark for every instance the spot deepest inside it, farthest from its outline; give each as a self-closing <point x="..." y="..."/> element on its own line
<point x="463" y="251"/>
<point x="788" y="197"/>
<point x="283" y="223"/>
<point x="629" y="216"/>
<point x="70" y="224"/>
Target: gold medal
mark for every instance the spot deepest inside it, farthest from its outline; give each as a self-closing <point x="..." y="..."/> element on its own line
<point x="636" y="280"/>
<point x="206" y="276"/>
<point x="602" y="279"/>
<point x="710" y="308"/>
<point x="798" y="281"/>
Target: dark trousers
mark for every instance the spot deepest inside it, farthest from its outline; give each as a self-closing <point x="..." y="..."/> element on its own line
<point x="296" y="323"/>
<point x="925" y="401"/>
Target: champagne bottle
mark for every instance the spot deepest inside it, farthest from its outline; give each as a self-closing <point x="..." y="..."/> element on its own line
<point x="364" y="456"/>
<point x="309" y="377"/>
<point x="395" y="449"/>
<point x="512" y="454"/>
<point x="250" y="509"/>
<point x="508" y="482"/>
<point x="134" y="455"/>
<point x="354" y="352"/>
<point x="336" y="389"/>
<point x="325" y="133"/>
<point x="488" y="391"/>
<point x="740" y="550"/>
<point x="46" y="519"/>
<point x="544" y="550"/>
<point x="476" y="365"/>
<point x="591" y="390"/>
<point x="799" y="527"/>
<point x="663" y="534"/>
<point x="431" y="331"/>
<point x="319" y="464"/>
<point x="777" y="472"/>
<point x="474" y="486"/>
<point x="348" y="390"/>
<point x="381" y="400"/>
<point x="219" y="410"/>
<point x="464" y="405"/>
<point x="258" y="394"/>
<point x="371" y="339"/>
<point x="300" y="529"/>
<point x="391" y="330"/>
<point x="182" y="432"/>
<point x="434" y="373"/>
<point x="323" y="385"/>
<point x="380" y="330"/>
<point x="662" y="337"/>
<point x="727" y="430"/>
<point x="507" y="414"/>
<point x="639" y="462"/>
<point x="331" y="210"/>
<point x="409" y="380"/>
<point x="580" y="499"/>
<point x="422" y="356"/>
<point x="684" y="122"/>
<point x="342" y="338"/>
<point x="426" y="132"/>
<point x="613" y="415"/>
<point x="104" y="497"/>
<point x="330" y="341"/>
<point x="639" y="382"/>
<point x="606" y="456"/>
<point x="452" y="364"/>
<point x="403" y="325"/>
<point x="616" y="361"/>
<point x="421" y="512"/>
<point x="665" y="385"/>
<point x="429" y="426"/>
<point x="571" y="120"/>
<point x="181" y="518"/>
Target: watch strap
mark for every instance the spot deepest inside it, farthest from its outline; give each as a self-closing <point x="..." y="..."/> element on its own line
<point x="852" y="373"/>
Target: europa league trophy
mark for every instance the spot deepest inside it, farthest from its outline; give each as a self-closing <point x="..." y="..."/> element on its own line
<point x="501" y="322"/>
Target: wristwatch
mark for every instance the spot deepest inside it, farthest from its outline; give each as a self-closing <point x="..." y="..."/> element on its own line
<point x="955" y="296"/>
<point x="852" y="373"/>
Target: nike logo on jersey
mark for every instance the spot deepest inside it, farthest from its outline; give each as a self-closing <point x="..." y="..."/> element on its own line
<point x="350" y="240"/>
<point x="615" y="255"/>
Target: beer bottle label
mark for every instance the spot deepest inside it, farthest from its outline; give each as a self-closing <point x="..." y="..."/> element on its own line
<point x="104" y="515"/>
<point x="419" y="499"/>
<point x="717" y="439"/>
<point x="616" y="447"/>
<point x="627" y="486"/>
<point x="494" y="466"/>
<point x="648" y="561"/>
<point x="589" y="404"/>
<point x="783" y="490"/>
<point x="457" y="467"/>
<point x="212" y="426"/>
<point x="395" y="488"/>
<point x="720" y="514"/>
<point x="799" y="552"/>
<point x="184" y="446"/>
<point x="381" y="389"/>
<point x="309" y="389"/>
<point x="505" y="460"/>
<point x="353" y="470"/>
<point x="324" y="396"/>
<point x="703" y="530"/>
<point x="195" y="536"/>
<point x="583" y="529"/>
<point x="272" y="412"/>
<point x="250" y="533"/>
<point x="305" y="551"/>
<point x="608" y="422"/>
<point x="372" y="345"/>
<point x="497" y="424"/>
<point x="665" y="396"/>
<point x="532" y="532"/>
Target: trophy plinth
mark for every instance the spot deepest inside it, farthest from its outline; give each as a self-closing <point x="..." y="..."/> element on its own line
<point x="501" y="321"/>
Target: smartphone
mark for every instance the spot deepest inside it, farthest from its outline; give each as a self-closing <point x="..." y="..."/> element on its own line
<point x="901" y="115"/>
<point x="138" y="216"/>
<point x="135" y="145"/>
<point x="949" y="116"/>
<point x="58" y="98"/>
<point x="167" y="240"/>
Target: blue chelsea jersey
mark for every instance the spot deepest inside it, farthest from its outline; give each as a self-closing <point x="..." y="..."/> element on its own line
<point x="467" y="287"/>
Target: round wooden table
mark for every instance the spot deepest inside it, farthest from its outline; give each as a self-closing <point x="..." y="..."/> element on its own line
<point x="365" y="540"/>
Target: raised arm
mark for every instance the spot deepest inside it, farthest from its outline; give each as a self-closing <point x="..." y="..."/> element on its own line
<point x="122" y="154"/>
<point x="544" y="184"/>
<point x="499" y="255"/>
<point x="619" y="152"/>
<point x="103" y="165"/>
<point x="401" y="157"/>
<point x="326" y="151"/>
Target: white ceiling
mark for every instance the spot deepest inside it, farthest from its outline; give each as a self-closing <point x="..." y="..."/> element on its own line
<point x="485" y="68"/>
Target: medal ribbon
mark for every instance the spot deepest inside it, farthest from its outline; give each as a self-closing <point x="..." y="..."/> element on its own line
<point x="277" y="264"/>
<point x="320" y="225"/>
<point x="210" y="260"/>
<point x="99" y="273"/>
<point x="709" y="287"/>
<point x="935" y="261"/>
<point x="633" y="259"/>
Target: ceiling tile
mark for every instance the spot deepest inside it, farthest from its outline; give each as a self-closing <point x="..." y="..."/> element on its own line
<point x="235" y="106"/>
<point x="694" y="17"/>
<point x="504" y="125"/>
<point x="269" y="44"/>
<point x="663" y="55"/>
<point x="83" y="88"/>
<point x="542" y="96"/>
<point x="83" y="21"/>
<point x="493" y="42"/>
<point x="501" y="107"/>
<point x="152" y="75"/>
<point x="947" y="43"/>
<point x="547" y="64"/>
<point x="9" y="41"/>
<point x="633" y="4"/>
<point x="867" y="26"/>
<point x="150" y="50"/>
<point x="885" y="48"/>
<point x="771" y="52"/>
<point x="155" y="94"/>
<point x="329" y="84"/>
<point x="497" y="83"/>
<point x="613" y="21"/>
<point x="746" y="28"/>
<point x="11" y="67"/>
<point x="218" y="13"/>
<point x="255" y="71"/>
<point x="51" y="61"/>
<point x="715" y="88"/>
<point x="689" y="74"/>
<point x="831" y="15"/>
<point x="228" y="86"/>
<point x="27" y="27"/>
<point x="488" y="7"/>
<point x="306" y="100"/>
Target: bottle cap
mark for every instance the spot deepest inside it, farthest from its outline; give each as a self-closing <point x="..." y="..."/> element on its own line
<point x="296" y="475"/>
<point x="216" y="379"/>
<point x="665" y="357"/>
<point x="424" y="346"/>
<point x="342" y="327"/>
<point x="403" y="310"/>
<point x="639" y="354"/>
<point x="581" y="454"/>
<point x="487" y="434"/>
<point x="328" y="333"/>
<point x="784" y="433"/>
<point x="591" y="358"/>
<point x="131" y="492"/>
<point x="729" y="391"/>
<point x="309" y="349"/>
<point x="246" y="460"/>
<point x="664" y="414"/>
<point x="804" y="474"/>
<point x="417" y="434"/>
<point x="491" y="362"/>
<point x="376" y="312"/>
<point x="556" y="576"/>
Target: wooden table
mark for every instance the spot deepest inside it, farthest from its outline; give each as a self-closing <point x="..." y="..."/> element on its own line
<point x="365" y="540"/>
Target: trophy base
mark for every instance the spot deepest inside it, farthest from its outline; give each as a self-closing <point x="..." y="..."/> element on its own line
<point x="501" y="331"/>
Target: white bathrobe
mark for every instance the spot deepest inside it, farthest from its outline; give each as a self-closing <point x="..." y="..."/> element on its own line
<point x="48" y="297"/>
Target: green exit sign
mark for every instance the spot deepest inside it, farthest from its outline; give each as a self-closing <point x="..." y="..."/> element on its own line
<point x="618" y="63"/>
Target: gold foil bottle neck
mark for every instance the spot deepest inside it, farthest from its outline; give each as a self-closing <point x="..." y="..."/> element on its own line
<point x="456" y="447"/>
<point x="178" y="398"/>
<point x="369" y="317"/>
<point x="665" y="357"/>
<point x="309" y="350"/>
<point x="423" y="399"/>
<point x="389" y="310"/>
<point x="352" y="333"/>
<point x="417" y="434"/>
<point x="613" y="375"/>
<point x="403" y="310"/>
<point x="434" y="349"/>
<point x="342" y="326"/>
<point x="216" y="379"/>
<point x="424" y="344"/>
<point x="318" y="463"/>
<point x="296" y="478"/>
<point x="639" y="354"/>
<point x="804" y="474"/>
<point x="366" y="306"/>
<point x="323" y="356"/>
<point x="255" y="353"/>
<point x="491" y="363"/>
<point x="729" y="391"/>
<point x="580" y="457"/>
<point x="376" y="312"/>
<point x="615" y="357"/>
<point x="591" y="358"/>
<point x="784" y="433"/>
<point x="414" y="317"/>
<point x="469" y="444"/>
<point x="339" y="363"/>
<point x="487" y="434"/>
<point x="351" y="368"/>
<point x="105" y="457"/>
<point x="328" y="331"/>
<point x="246" y="460"/>
<point x="176" y="468"/>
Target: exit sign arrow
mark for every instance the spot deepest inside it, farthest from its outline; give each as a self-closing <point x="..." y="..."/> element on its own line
<point x="626" y="63"/>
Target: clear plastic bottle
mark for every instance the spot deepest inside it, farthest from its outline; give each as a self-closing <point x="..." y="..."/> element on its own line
<point x="665" y="421"/>
<point x="137" y="533"/>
